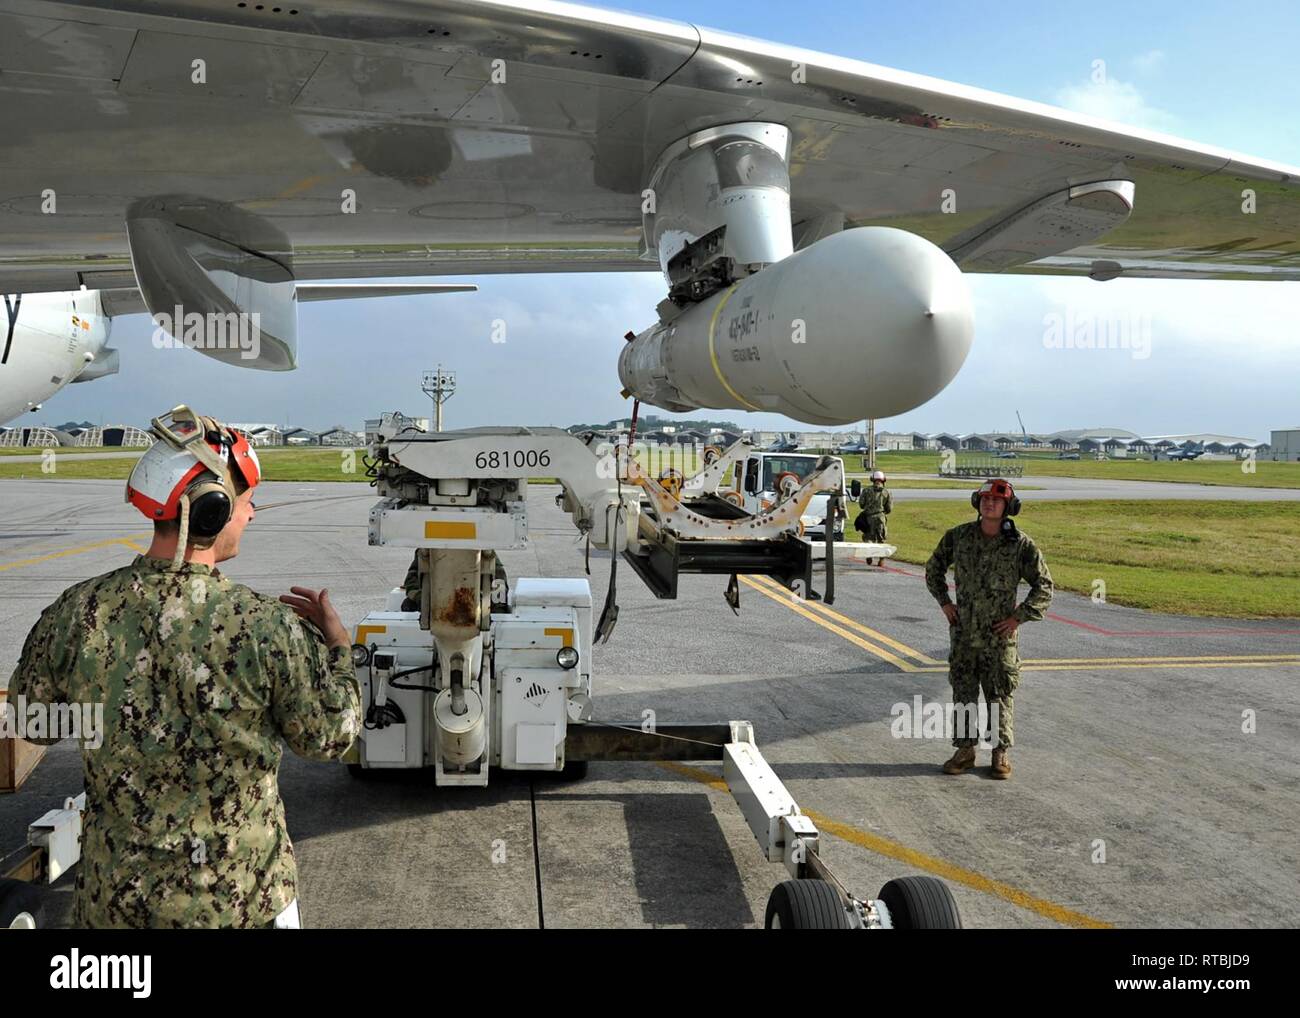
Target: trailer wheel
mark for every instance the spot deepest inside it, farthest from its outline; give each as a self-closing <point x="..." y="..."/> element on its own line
<point x="805" y="905"/>
<point x="573" y="770"/>
<point x="920" y="903"/>
<point x="21" y="906"/>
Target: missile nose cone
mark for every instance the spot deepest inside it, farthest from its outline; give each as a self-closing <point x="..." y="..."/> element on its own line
<point x="910" y="358"/>
<point x="870" y="322"/>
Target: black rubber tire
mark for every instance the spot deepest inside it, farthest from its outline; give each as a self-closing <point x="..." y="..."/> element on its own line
<point x="574" y="770"/>
<point x="18" y="897"/>
<point x="920" y="903"/>
<point x="805" y="905"/>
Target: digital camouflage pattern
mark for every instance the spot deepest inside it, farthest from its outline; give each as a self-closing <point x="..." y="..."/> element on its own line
<point x="987" y="572"/>
<point x="876" y="504"/>
<point x="201" y="678"/>
<point x="411" y="583"/>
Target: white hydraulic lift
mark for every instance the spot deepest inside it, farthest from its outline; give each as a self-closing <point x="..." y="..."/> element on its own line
<point x="487" y="675"/>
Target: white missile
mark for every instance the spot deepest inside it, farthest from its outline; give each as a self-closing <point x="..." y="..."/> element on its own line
<point x="871" y="322"/>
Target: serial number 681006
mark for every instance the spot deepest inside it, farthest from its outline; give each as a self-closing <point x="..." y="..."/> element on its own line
<point x="503" y="459"/>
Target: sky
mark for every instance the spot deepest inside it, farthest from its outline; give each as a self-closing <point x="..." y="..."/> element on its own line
<point x="1220" y="356"/>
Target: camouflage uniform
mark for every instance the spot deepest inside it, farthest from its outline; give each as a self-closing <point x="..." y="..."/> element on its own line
<point x="987" y="573"/>
<point x="876" y="504"/>
<point x="411" y="585"/>
<point x="200" y="679"/>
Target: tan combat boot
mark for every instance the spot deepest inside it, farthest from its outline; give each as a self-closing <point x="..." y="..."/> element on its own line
<point x="1001" y="768"/>
<point x="961" y="761"/>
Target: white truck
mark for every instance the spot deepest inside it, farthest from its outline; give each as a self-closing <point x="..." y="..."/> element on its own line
<point x="760" y="479"/>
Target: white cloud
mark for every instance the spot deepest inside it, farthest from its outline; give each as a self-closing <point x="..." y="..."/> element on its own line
<point x="1149" y="62"/>
<point x="1112" y="99"/>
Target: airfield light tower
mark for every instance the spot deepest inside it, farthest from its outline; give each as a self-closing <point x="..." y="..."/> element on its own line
<point x="439" y="386"/>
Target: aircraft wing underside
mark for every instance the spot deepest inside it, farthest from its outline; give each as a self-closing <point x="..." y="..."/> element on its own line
<point x="486" y="137"/>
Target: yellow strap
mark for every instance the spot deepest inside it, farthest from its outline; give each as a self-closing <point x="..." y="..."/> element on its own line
<point x="713" y="356"/>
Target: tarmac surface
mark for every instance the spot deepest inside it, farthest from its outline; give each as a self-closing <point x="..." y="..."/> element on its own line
<point x="1137" y="798"/>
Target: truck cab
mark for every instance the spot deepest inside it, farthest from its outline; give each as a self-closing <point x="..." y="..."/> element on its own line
<point x="755" y="480"/>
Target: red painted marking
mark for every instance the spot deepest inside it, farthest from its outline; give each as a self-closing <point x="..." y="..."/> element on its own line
<point x="1171" y="632"/>
<point x="1133" y="632"/>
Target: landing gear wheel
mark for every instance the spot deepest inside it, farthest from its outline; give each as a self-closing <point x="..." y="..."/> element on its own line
<point x="805" y="905"/>
<point x="21" y="906"/>
<point x="920" y="903"/>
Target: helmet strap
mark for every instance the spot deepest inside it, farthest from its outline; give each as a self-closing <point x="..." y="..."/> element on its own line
<point x="183" y="535"/>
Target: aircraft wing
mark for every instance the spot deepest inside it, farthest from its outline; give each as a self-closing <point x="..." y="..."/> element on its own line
<point x="401" y="138"/>
<point x="128" y="301"/>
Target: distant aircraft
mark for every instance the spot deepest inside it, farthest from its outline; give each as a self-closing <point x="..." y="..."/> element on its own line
<point x="213" y="157"/>
<point x="1187" y="451"/>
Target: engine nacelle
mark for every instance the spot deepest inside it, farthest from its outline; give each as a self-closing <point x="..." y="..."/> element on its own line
<point x="871" y="322"/>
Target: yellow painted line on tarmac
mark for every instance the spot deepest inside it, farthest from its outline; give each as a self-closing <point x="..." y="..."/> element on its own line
<point x="920" y="860"/>
<point x="1186" y="658"/>
<point x="811" y="609"/>
<point x="1242" y="662"/>
<point x="824" y="609"/>
<point x="795" y="605"/>
<point x="127" y="541"/>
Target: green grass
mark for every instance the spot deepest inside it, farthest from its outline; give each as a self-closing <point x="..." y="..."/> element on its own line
<point x="65" y="469"/>
<point x="92" y="449"/>
<point x="278" y="464"/>
<point x="1223" y="559"/>
<point x="317" y="464"/>
<point x="935" y="483"/>
<point x="1267" y="474"/>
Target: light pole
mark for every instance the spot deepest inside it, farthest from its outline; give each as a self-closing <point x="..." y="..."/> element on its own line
<point x="439" y="386"/>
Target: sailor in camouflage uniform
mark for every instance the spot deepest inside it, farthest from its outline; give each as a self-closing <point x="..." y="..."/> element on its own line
<point x="876" y="504"/>
<point x="989" y="557"/>
<point x="201" y="679"/>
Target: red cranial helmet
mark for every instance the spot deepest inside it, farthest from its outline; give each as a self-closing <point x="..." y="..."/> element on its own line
<point x="189" y="473"/>
<point x="998" y="488"/>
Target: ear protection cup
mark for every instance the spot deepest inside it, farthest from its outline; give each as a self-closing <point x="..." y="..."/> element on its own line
<point x="210" y="510"/>
<point x="974" y="499"/>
